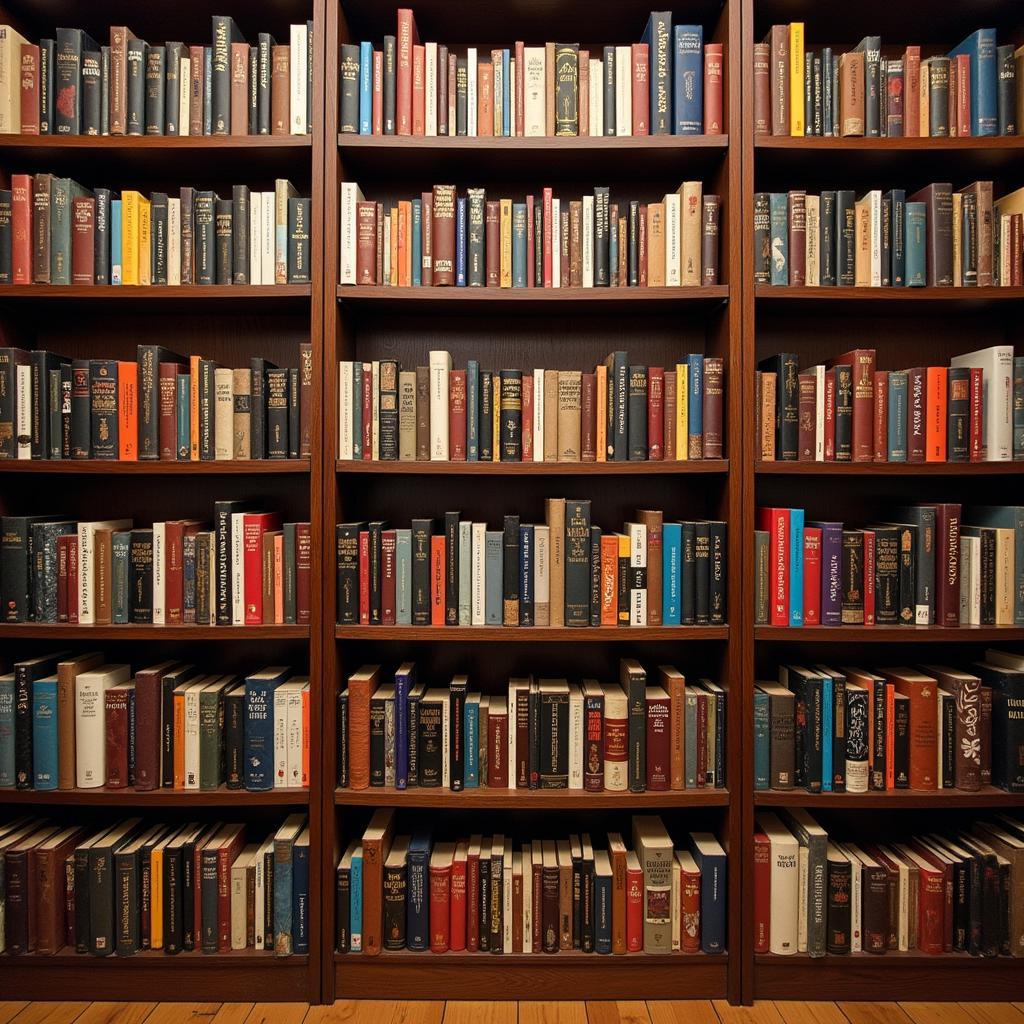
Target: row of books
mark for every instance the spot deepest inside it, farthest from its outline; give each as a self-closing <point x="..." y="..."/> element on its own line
<point x="670" y="83"/>
<point x="137" y="885"/>
<point x="71" y="85"/>
<point x="54" y="231"/>
<point x="850" y="730"/>
<point x="247" y="569"/>
<point x="541" y="734"/>
<point x="561" y="572"/>
<point x="398" y="891"/>
<point x="929" y="565"/>
<point x="619" y="412"/>
<point x="441" y="238"/>
<point x="936" y="237"/>
<point x="161" y="406"/>
<point x="79" y="722"/>
<point x="846" y="410"/>
<point x="934" y="892"/>
<point x="971" y="91"/>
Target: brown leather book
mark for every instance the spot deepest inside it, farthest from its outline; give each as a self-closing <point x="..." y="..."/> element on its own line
<point x="762" y="89"/>
<point x="851" y="93"/>
<point x="366" y="243"/>
<point x="376" y="846"/>
<point x="83" y="221"/>
<point x="102" y="557"/>
<point x="714" y="399"/>
<point x="239" y="88"/>
<point x="484" y="98"/>
<point x="652" y="519"/>
<point x="167" y="399"/>
<point x="195" y="91"/>
<point x="361" y="687"/>
<point x="422" y="414"/>
<point x="492" y="243"/>
<point x="575" y="243"/>
<point x="49" y="880"/>
<point x="148" y="703"/>
<point x="588" y="418"/>
<point x="862" y="363"/>
<point x="982" y="191"/>
<point x="119" y="36"/>
<point x="617" y="858"/>
<point x="921" y="689"/>
<point x="797" y="237"/>
<point x="778" y="40"/>
<point x="969" y="738"/>
<point x="29" y="89"/>
<point x="443" y="235"/>
<point x="115" y="711"/>
<point x="67" y="672"/>
<point x="713" y="77"/>
<point x="280" y="58"/>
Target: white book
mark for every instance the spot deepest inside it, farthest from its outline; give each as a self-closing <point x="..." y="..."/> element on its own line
<point x="184" y="83"/>
<point x="297" y="80"/>
<point x="506" y="892"/>
<point x="351" y="194"/>
<point x="267" y="237"/>
<point x="970" y="580"/>
<point x="673" y="240"/>
<point x="440" y="368"/>
<point x="637" y="560"/>
<point x="819" y="413"/>
<point x="159" y="574"/>
<point x="588" y="241"/>
<point x="596" y="90"/>
<point x="856" y="895"/>
<point x="575" y="734"/>
<point x="623" y="90"/>
<point x="375" y="409"/>
<point x="471" y="91"/>
<point x="556" y="242"/>
<point x="173" y="240"/>
<point x="538" y="415"/>
<point x="224" y="414"/>
<point x="1001" y="267"/>
<point x="527" y="898"/>
<point x="239" y="902"/>
<point x="346" y="380"/>
<point x="280" y="735"/>
<point x="191" y="732"/>
<point x="801" y="921"/>
<point x="23" y="407"/>
<point x="87" y="565"/>
<point x="534" y="92"/>
<point x="996" y="363"/>
<point x="10" y="80"/>
<point x="542" y="575"/>
<point x="875" y="228"/>
<point x="812" y="264"/>
<point x="237" y="569"/>
<point x="430" y="89"/>
<point x="90" y="723"/>
<point x="293" y="772"/>
<point x="478" y="613"/>
<point x="255" y="239"/>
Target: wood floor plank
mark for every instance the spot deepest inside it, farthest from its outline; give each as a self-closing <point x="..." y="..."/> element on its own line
<point x="937" y="1013"/>
<point x="10" y="1009"/>
<point x="50" y="1013"/>
<point x="116" y="1013"/>
<point x="874" y="1013"/>
<point x="232" y="1013"/>
<point x="681" y="1011"/>
<point x="354" y="1011"/>
<point x="549" y="1012"/>
<point x="277" y="1013"/>
<point x="621" y="1012"/>
<point x="762" y="1012"/>
<point x="423" y="1011"/>
<point x="995" y="1013"/>
<point x="794" y="1012"/>
<point x="183" y="1013"/>
<point x="471" y="1012"/>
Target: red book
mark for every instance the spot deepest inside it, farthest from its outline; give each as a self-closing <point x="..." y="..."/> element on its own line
<point x="21" y="228"/>
<point x="975" y="410"/>
<point x="527" y="417"/>
<point x="437" y="580"/>
<point x="963" y="95"/>
<point x="776" y="522"/>
<point x="947" y="565"/>
<point x="862" y="365"/>
<point x="457" y="928"/>
<point x="497" y="746"/>
<point x="812" y="576"/>
<point x="762" y="892"/>
<point x="531" y="269"/>
<point x="407" y="38"/>
<point x="457" y="416"/>
<point x="549" y="233"/>
<point x="881" y="422"/>
<point x="377" y="103"/>
<point x="254" y="526"/>
<point x="921" y="691"/>
<point x="520" y="99"/>
<point x="689" y="895"/>
<point x="869" y="577"/>
<point x="935" y="415"/>
<point x="419" y="78"/>
<point x="72" y="578"/>
<point x="226" y="856"/>
<point x="473" y="897"/>
<point x="303" y="573"/>
<point x="946" y="868"/>
<point x="364" y="577"/>
<point x="167" y="397"/>
<point x="713" y="72"/>
<point x="830" y="417"/>
<point x="116" y="734"/>
<point x="29" y="89"/>
<point x="634" y="905"/>
<point x="659" y="745"/>
<point x="388" y="542"/>
<point x="440" y="897"/>
<point x="656" y="413"/>
<point x="367" y="420"/>
<point x="174" y="574"/>
<point x="641" y="89"/>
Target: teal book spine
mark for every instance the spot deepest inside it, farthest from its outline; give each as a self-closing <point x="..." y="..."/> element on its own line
<point x="7" y="778"/>
<point x="762" y="742"/>
<point x="695" y="404"/>
<point x="897" y="416"/>
<point x="44" y="733"/>
<point x="183" y="416"/>
<point x="120" y="598"/>
<point x="916" y="244"/>
<point x="403" y="577"/>
<point x="283" y="938"/>
<point x="779" y="235"/>
<point x="471" y="732"/>
<point x="465" y="573"/>
<point x="519" y="245"/>
<point x="796" y="566"/>
<point x="115" y="241"/>
<point x="472" y="410"/>
<point x="672" y="549"/>
<point x="356" y="903"/>
<point x="493" y="563"/>
<point x="366" y="88"/>
<point x="417" y="243"/>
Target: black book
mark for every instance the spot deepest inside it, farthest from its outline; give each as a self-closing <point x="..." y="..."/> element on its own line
<point x="510" y="572"/>
<point x="577" y="563"/>
<point x="240" y="234"/>
<point x="533" y="731"/>
<point x="54" y="418"/>
<point x="846" y="237"/>
<point x="16" y="564"/>
<point x="608" y="68"/>
<point x="702" y="572"/>
<point x="809" y="93"/>
<point x="299" y="213"/>
<point x="969" y="240"/>
<point x="887" y="575"/>
<point x="476" y="264"/>
<point x="717" y="574"/>
<point x="785" y="366"/>
<point x="554" y="734"/>
<point x="958" y="416"/>
<point x="511" y="415"/>
<point x="422" y="530"/>
<point x="156" y="90"/>
<point x="234" y="738"/>
<point x="1007" y="90"/>
<point x="205" y="206"/>
<point x="486" y="416"/>
<point x="827" y="248"/>
<point x="906" y="545"/>
<point x="158" y="215"/>
<point x="595" y="575"/>
<point x="633" y="257"/>
<point x="762" y="238"/>
<point x="871" y="47"/>
<point x="128" y="887"/>
<point x="41" y="364"/>
<point x="91" y="93"/>
<point x="461" y="94"/>
<point x="388" y="409"/>
<point x="879" y="732"/>
<point x="586" y="902"/>
<point x="294" y="413"/>
<point x="341" y="719"/>
<point x="840" y="881"/>
<point x="103" y="406"/>
<point x="263" y="69"/>
<point x="852" y="613"/>
<point x="65" y="411"/>
<point x="135" y="87"/>
<point x="149" y="358"/>
<point x="567" y="87"/>
<point x="6" y="275"/>
<point x="102" y="930"/>
<point x="173" y="896"/>
<point x="258" y="403"/>
<point x="343" y="906"/>
<point x="376" y="529"/>
<point x="276" y="383"/>
<point x="636" y="414"/>
<point x="70" y="45"/>
<point x="688" y="608"/>
<point x="886" y="240"/>
<point x="47" y="48"/>
<point x="225" y="32"/>
<point x="224" y="240"/>
<point x="388" y="104"/>
<point x="456" y="741"/>
<point x="484" y="910"/>
<point x="938" y="97"/>
<point x="843" y="411"/>
<point x="207" y="389"/>
<point x="101" y="237"/>
<point x="633" y="680"/>
<point x="140" y="578"/>
<point x="526" y="571"/>
<point x="378" y="711"/>
<point x="394" y="895"/>
<point x="431" y="739"/>
<point x="25" y="674"/>
<point x="172" y="89"/>
<point x="602" y="277"/>
<point x="348" y="122"/>
<point x="189" y="925"/>
<point x="451" y="569"/>
<point x="222" y="512"/>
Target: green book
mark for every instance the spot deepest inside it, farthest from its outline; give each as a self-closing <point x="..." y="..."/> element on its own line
<point x="211" y="731"/>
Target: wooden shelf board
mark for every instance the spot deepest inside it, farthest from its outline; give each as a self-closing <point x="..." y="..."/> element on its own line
<point x="801" y="294"/>
<point x="132" y="631"/>
<point x="159" y="144"/>
<point x="889" y="468"/>
<point x="126" y="798"/>
<point x="987" y="796"/>
<point x="530" y="634"/>
<point x="859" y="144"/>
<point x="592" y="144"/>
<point x="703" y="466"/>
<point x="213" y="296"/>
<point x="255" y="467"/>
<point x="488" y="798"/>
<point x="888" y="634"/>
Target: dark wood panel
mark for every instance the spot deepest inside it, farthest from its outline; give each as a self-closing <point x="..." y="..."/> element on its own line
<point x="130" y="797"/>
<point x="130" y="631"/>
<point x="105" y="467"/>
<point x="600" y="469"/>
<point x="987" y="796"/>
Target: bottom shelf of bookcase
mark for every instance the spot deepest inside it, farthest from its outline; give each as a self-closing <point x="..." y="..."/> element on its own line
<point x="568" y="975"/>
<point x="892" y="976"/>
<point x="241" y="975"/>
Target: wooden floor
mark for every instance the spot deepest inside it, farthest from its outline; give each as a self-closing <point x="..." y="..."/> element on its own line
<point x="394" y="1012"/>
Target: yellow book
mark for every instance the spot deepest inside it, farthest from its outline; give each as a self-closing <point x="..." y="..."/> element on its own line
<point x="130" y="203"/>
<point x="395" y="217"/>
<point x="601" y="410"/>
<point x="682" y="412"/>
<point x="924" y="113"/>
<point x="862" y="254"/>
<point x="496" y="418"/>
<point x="796" y="78"/>
<point x="145" y="242"/>
<point x="156" y="895"/>
<point x="624" y="553"/>
<point x="505" y="223"/>
<point x="193" y="408"/>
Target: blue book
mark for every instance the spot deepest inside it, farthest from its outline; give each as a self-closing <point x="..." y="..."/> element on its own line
<point x="898" y="200"/>
<point x="472" y="410"/>
<point x="44" y="733"/>
<point x="366" y="88"/>
<point x="259" y="727"/>
<point x="762" y="741"/>
<point x="460" y="242"/>
<point x="897" y="416"/>
<point x="284" y="855"/>
<point x="120" y="598"/>
<point x="796" y="566"/>
<point x="7" y="778"/>
<point x="506" y="93"/>
<point x="403" y="577"/>
<point x="711" y="860"/>
<point x="417" y="893"/>
<point x="826" y="734"/>
<point x="405" y="680"/>
<point x="493" y="562"/>
<point x="357" y="410"/>
<point x="671" y="573"/>
<point x="688" y="80"/>
<point x="779" y="237"/>
<point x="471" y="732"/>
<point x="980" y="46"/>
<point x="695" y="403"/>
<point x="417" y="243"/>
<point x="183" y="416"/>
<point x="519" y="245"/>
<point x="115" y="241"/>
<point x="300" y="893"/>
<point x="526" y="617"/>
<point x="602" y="903"/>
<point x="355" y="902"/>
<point x="658" y="37"/>
<point x="917" y="245"/>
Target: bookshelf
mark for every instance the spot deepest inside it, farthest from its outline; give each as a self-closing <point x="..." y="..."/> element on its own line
<point x="226" y="323"/>
<point x="906" y="326"/>
<point x="561" y="328"/>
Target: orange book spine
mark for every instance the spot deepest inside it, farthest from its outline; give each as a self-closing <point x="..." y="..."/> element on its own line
<point x="179" y="741"/>
<point x="128" y="411"/>
<point x="936" y="400"/>
<point x="689" y="911"/>
<point x="437" y="581"/>
<point x="609" y="574"/>
<point x="193" y="403"/>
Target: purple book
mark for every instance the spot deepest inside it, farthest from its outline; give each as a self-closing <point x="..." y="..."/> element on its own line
<point x="831" y="573"/>
<point x="405" y="680"/>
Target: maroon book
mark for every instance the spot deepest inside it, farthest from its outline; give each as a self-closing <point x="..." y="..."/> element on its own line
<point x="492" y="244"/>
<point x="807" y="412"/>
<point x="29" y="89"/>
<point x="457" y="416"/>
<point x="427" y="220"/>
<point x="798" y="237"/>
<point x="916" y="392"/>
<point x="588" y="418"/>
<point x="443" y="235"/>
<point x="947" y="565"/>
<point x="148" y="699"/>
<point x="366" y="243"/>
<point x="656" y="414"/>
<point x="713" y="73"/>
<point x="83" y="245"/>
<point x="116" y="732"/>
<point x="714" y="396"/>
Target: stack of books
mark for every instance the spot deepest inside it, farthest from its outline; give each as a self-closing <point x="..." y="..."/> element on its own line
<point x="549" y="895"/>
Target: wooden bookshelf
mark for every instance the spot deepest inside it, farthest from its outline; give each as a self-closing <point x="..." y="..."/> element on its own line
<point x="560" y="328"/>
<point x="907" y="327"/>
<point x="226" y="323"/>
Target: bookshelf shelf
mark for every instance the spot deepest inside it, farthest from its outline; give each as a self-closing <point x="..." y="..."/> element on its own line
<point x="801" y="295"/>
<point x="885" y="469"/>
<point x="132" y="631"/>
<point x="111" y="467"/>
<point x="204" y="297"/>
<point x="531" y="634"/>
<point x="893" y="799"/>
<point x="28" y="145"/>
<point x="889" y="634"/>
<point x="558" y="469"/>
<point x="222" y="797"/>
<point x="858" y="144"/>
<point x="487" y="798"/>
